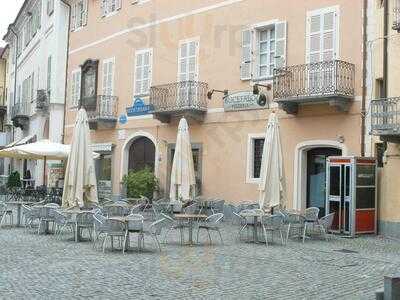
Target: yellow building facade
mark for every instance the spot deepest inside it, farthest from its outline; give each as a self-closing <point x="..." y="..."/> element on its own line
<point x="138" y="67"/>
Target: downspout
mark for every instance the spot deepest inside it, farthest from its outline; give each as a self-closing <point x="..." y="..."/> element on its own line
<point x="385" y="48"/>
<point x="364" y="76"/>
<point x="66" y="69"/>
<point x="15" y="81"/>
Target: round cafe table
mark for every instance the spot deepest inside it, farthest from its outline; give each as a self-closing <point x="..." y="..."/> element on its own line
<point x="191" y="218"/>
<point x="256" y="215"/>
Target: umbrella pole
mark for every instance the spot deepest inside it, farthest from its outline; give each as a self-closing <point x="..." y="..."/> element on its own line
<point x="44" y="171"/>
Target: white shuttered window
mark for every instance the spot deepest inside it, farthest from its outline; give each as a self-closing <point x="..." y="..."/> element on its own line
<point x="188" y="68"/>
<point x="108" y="77"/>
<point x="109" y="6"/>
<point x="79" y="13"/>
<point x="143" y="72"/>
<point x="263" y="49"/>
<point x="75" y="88"/>
<point x="322" y="35"/>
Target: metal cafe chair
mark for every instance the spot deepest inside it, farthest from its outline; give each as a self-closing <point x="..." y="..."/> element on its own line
<point x="212" y="223"/>
<point x="311" y="219"/>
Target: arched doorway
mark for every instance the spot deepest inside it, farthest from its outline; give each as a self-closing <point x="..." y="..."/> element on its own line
<point x="316" y="176"/>
<point x="142" y="153"/>
<point x="309" y="171"/>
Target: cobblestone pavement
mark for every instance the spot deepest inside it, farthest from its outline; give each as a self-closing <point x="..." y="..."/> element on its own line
<point x="43" y="267"/>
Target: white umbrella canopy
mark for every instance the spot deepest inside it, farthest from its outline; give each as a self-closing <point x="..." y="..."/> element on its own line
<point x="183" y="179"/>
<point x="272" y="186"/>
<point x="43" y="149"/>
<point x="80" y="187"/>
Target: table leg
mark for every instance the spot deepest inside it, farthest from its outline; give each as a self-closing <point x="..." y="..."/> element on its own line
<point x="18" y="215"/>
<point x="190" y="231"/>
<point x="255" y="237"/>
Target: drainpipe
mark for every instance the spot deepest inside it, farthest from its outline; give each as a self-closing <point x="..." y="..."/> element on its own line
<point x="15" y="80"/>
<point x="385" y="47"/>
<point x="66" y="69"/>
<point x="364" y="76"/>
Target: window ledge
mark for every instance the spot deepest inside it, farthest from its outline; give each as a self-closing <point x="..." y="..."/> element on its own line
<point x="253" y="180"/>
<point x="141" y="95"/>
<point x="111" y="14"/>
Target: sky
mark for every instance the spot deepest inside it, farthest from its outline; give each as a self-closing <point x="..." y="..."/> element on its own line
<point x="8" y="11"/>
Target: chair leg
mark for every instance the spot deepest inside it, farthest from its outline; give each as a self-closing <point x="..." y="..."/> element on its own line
<point x="104" y="242"/>
<point x="220" y="236"/>
<point x="209" y="236"/>
<point x="280" y="232"/>
<point x="197" y="239"/>
<point x="158" y="243"/>
<point x="304" y="232"/>
<point x="265" y="236"/>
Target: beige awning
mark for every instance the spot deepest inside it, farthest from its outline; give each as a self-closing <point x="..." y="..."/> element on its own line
<point x="22" y="141"/>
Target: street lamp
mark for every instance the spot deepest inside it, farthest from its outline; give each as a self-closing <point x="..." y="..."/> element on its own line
<point x="210" y="93"/>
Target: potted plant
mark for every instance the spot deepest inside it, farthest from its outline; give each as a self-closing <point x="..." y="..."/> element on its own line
<point x="140" y="183"/>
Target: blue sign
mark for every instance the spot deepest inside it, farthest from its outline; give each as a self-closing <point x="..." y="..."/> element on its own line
<point x="139" y="108"/>
<point x="123" y="119"/>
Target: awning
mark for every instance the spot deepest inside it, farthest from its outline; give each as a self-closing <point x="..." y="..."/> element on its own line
<point x="25" y="140"/>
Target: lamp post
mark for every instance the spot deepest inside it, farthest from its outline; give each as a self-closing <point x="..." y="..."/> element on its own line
<point x="262" y="100"/>
<point x="210" y="93"/>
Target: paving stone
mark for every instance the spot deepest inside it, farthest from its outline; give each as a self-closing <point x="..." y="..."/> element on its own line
<point x="43" y="267"/>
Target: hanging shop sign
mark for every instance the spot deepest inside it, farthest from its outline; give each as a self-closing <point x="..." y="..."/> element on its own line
<point x="139" y="108"/>
<point x="244" y="100"/>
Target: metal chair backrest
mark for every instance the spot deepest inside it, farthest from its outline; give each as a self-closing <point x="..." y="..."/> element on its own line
<point x="274" y="221"/>
<point x="85" y="218"/>
<point x="136" y="209"/>
<point x="215" y="219"/>
<point x="219" y="206"/>
<point x="115" y="210"/>
<point x="157" y="226"/>
<point x="3" y="208"/>
<point x="59" y="217"/>
<point x="114" y="226"/>
<point x="311" y="214"/>
<point x="327" y="221"/>
<point x="167" y="217"/>
<point x="53" y="205"/>
<point x="191" y="209"/>
<point x="293" y="218"/>
<point x="99" y="222"/>
<point x="135" y="222"/>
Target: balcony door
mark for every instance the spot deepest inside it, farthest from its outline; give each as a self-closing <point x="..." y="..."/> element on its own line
<point x="105" y="101"/>
<point x="142" y="154"/>
<point x="321" y="47"/>
<point x="188" y="73"/>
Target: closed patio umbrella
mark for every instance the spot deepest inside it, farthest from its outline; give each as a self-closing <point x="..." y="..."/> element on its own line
<point x="183" y="180"/>
<point x="272" y="179"/>
<point x="80" y="187"/>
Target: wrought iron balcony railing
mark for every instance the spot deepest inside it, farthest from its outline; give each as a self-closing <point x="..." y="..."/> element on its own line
<point x="396" y="15"/>
<point x="20" y="114"/>
<point x="179" y="97"/>
<point x="20" y="109"/>
<point x="385" y="117"/>
<point x="101" y="109"/>
<point x="325" y="79"/>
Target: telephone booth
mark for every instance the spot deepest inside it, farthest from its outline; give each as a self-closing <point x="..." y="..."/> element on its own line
<point x="351" y="194"/>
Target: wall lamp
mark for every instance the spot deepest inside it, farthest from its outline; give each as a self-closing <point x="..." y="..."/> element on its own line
<point x="210" y="93"/>
<point x="262" y="100"/>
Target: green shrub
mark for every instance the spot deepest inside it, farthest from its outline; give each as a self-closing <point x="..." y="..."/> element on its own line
<point x="14" y="180"/>
<point x="140" y="183"/>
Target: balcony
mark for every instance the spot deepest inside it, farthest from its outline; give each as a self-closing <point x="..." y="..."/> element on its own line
<point x="185" y="98"/>
<point x="20" y="115"/>
<point x="328" y="81"/>
<point x="396" y="15"/>
<point x="42" y="101"/>
<point x="101" y="111"/>
<point x="385" y="119"/>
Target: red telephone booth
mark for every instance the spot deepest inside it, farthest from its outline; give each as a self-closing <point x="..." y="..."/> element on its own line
<point x="351" y="194"/>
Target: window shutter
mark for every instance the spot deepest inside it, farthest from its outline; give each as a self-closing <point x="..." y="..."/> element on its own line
<point x="108" y="77"/>
<point x="117" y="4"/>
<point x="329" y="36"/>
<point x="103" y="8"/>
<point x="280" y="44"/>
<point x="245" y="66"/>
<point x="33" y="86"/>
<point x="314" y="38"/>
<point x="85" y="12"/>
<point x="183" y="62"/>
<point x="73" y="16"/>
